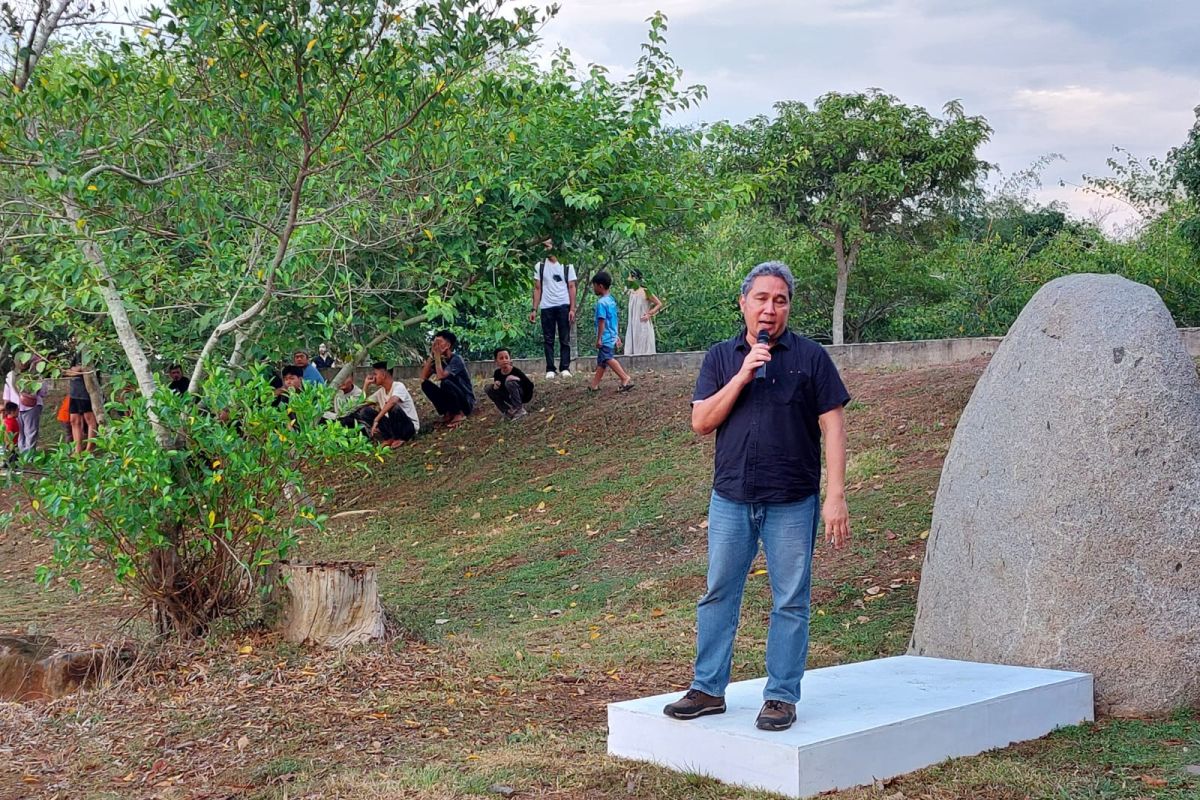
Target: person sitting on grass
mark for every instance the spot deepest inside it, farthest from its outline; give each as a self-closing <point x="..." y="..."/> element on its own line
<point x="308" y="370"/>
<point x="607" y="338"/>
<point x="292" y="382"/>
<point x="454" y="398"/>
<point x="347" y="398"/>
<point x="391" y="417"/>
<point x="510" y="388"/>
<point x="178" y="382"/>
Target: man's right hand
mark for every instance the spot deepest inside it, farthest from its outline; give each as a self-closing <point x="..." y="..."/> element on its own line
<point x="533" y="316"/>
<point x="760" y="353"/>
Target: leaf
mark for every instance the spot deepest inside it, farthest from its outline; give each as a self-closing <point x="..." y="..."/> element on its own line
<point x="656" y="613"/>
<point x="1150" y="780"/>
<point x="243" y="742"/>
<point x="759" y="572"/>
<point x="923" y="534"/>
<point x="245" y="650"/>
<point x="311" y="44"/>
<point x="258" y="31"/>
<point x="212" y="518"/>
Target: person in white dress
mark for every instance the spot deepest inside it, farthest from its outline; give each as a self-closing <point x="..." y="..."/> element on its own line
<point x="643" y="306"/>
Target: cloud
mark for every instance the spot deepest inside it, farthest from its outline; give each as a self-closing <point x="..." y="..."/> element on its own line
<point x="1073" y="77"/>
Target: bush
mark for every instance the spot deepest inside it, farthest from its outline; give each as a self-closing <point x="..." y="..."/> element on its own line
<point x="192" y="527"/>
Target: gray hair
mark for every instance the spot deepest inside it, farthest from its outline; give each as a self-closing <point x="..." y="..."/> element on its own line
<point x="776" y="269"/>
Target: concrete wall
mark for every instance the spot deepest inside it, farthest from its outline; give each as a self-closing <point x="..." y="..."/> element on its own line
<point x="892" y="355"/>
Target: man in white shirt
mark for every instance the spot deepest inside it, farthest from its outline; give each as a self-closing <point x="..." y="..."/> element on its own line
<point x="554" y="298"/>
<point x="347" y="398"/>
<point x="395" y="421"/>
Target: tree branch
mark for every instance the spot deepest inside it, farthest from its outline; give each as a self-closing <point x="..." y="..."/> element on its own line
<point x="133" y="176"/>
<point x="349" y="366"/>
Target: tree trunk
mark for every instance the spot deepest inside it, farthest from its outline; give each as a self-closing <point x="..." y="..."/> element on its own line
<point x="334" y="604"/>
<point x="843" y="279"/>
<point x="348" y="368"/>
<point x="96" y="393"/>
<point x="847" y="257"/>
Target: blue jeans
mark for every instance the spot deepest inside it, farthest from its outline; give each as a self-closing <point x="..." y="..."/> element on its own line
<point x="788" y="532"/>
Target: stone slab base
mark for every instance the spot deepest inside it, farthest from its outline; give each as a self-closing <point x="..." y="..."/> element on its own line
<point x="857" y="723"/>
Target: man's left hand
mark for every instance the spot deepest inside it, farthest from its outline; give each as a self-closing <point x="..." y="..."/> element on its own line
<point x="837" y="521"/>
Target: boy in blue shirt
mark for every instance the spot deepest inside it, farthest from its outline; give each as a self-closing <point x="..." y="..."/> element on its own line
<point x="607" y="338"/>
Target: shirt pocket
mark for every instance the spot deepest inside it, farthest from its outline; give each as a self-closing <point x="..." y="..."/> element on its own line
<point x="788" y="389"/>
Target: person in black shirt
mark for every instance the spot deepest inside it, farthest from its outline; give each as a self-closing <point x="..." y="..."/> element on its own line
<point x="83" y="417"/>
<point x="178" y="383"/>
<point x="292" y="382"/>
<point x="769" y="402"/>
<point x="324" y="359"/>
<point x="510" y="388"/>
<point x="454" y="398"/>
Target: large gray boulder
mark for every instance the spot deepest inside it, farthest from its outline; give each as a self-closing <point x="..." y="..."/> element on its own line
<point x="1066" y="530"/>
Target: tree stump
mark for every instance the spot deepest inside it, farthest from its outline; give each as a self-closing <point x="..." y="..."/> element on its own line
<point x="333" y="604"/>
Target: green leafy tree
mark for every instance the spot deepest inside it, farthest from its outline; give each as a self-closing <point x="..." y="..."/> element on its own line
<point x="192" y="528"/>
<point x="1186" y="162"/>
<point x="853" y="166"/>
<point x="202" y="181"/>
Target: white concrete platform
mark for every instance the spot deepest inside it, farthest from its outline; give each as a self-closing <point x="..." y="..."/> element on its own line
<point x="856" y="723"/>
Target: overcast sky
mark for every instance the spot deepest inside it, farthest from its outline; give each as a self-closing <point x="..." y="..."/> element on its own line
<point x="1072" y="77"/>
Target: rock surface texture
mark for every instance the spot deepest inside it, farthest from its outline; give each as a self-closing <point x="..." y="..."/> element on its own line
<point x="1066" y="530"/>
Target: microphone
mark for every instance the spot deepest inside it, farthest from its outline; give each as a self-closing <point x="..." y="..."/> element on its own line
<point x="760" y="374"/>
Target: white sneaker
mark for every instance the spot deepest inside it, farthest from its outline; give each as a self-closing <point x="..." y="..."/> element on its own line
<point x="566" y="373"/>
<point x="551" y="376"/>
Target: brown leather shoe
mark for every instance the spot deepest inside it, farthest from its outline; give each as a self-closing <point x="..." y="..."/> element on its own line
<point x="776" y="715"/>
<point x="695" y="704"/>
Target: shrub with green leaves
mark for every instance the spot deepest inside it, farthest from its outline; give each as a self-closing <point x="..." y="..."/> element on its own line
<point x="192" y="528"/>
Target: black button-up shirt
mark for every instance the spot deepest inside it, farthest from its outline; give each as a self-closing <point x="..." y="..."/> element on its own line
<point x="769" y="447"/>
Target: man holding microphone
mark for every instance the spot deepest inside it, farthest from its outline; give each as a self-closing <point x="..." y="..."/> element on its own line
<point x="770" y="395"/>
